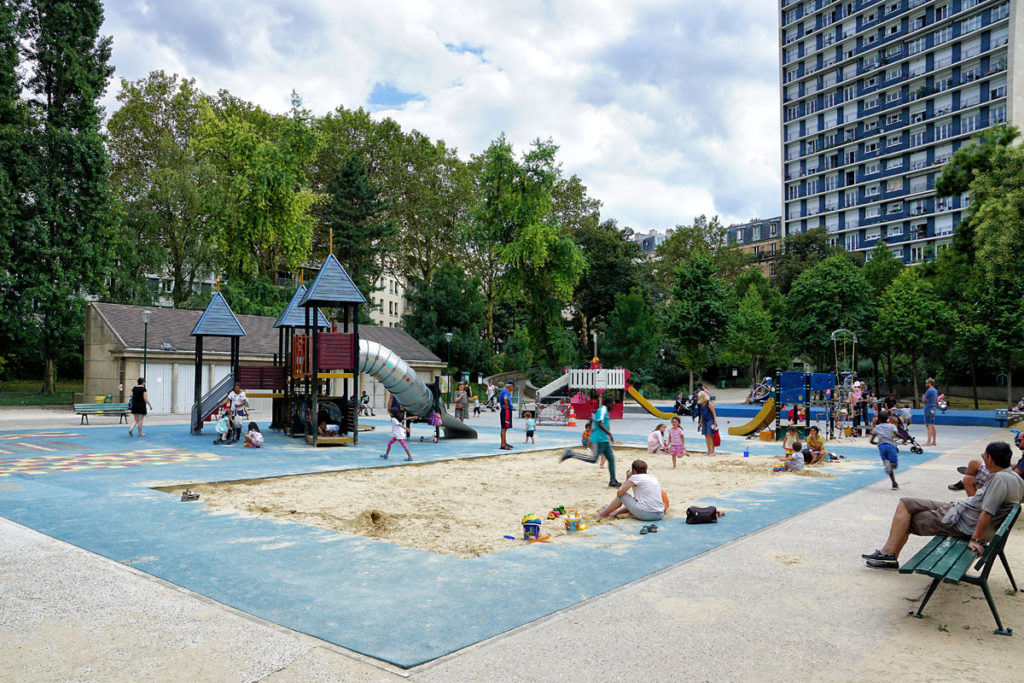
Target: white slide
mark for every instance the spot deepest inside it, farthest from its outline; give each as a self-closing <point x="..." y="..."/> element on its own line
<point x="552" y="387"/>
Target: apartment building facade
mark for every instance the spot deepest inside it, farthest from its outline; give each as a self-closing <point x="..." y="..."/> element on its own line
<point x="876" y="95"/>
<point x="761" y="238"/>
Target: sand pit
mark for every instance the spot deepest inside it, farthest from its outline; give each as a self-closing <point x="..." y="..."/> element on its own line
<point x="466" y="507"/>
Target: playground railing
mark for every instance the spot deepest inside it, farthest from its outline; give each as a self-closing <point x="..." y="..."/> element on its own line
<point x="552" y="411"/>
<point x="35" y="398"/>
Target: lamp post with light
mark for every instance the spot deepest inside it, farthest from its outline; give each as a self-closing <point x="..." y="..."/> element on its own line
<point x="448" y="336"/>
<point x="146" y="313"/>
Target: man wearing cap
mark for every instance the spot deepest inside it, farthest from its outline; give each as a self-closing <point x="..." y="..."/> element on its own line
<point x="931" y="401"/>
<point x="976" y="517"/>
<point x="505" y="413"/>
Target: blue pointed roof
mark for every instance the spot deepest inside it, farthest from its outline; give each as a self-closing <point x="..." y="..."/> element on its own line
<point x="218" y="320"/>
<point x="331" y="286"/>
<point x="294" y="316"/>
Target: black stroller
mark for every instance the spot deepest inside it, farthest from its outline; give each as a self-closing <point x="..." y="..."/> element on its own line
<point x="685" y="405"/>
<point x="902" y="433"/>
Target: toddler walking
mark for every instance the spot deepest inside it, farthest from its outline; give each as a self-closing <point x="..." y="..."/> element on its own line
<point x="531" y="426"/>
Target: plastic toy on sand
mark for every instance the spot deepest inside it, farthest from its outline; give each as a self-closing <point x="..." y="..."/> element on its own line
<point x="531" y="527"/>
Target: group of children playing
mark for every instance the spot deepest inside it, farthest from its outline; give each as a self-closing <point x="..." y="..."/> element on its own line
<point x="670" y="441"/>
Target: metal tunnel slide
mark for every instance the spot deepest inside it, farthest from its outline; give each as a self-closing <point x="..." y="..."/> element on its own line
<point x="400" y="379"/>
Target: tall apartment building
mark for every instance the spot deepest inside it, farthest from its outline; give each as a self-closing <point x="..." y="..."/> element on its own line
<point x="876" y="97"/>
<point x="761" y="238"/>
<point x="387" y="301"/>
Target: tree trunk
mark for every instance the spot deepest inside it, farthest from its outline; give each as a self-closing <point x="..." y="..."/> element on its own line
<point x="1009" y="386"/>
<point x="893" y="387"/>
<point x="917" y="396"/>
<point x="691" y="381"/>
<point x="974" y="384"/>
<point x="874" y="362"/>
<point x="49" y="375"/>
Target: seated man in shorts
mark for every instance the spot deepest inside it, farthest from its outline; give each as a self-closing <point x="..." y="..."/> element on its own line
<point x="644" y="503"/>
<point x="977" y="517"/>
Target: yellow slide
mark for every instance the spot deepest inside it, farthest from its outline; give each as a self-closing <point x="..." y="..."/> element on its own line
<point x="646" y="405"/>
<point x="760" y="421"/>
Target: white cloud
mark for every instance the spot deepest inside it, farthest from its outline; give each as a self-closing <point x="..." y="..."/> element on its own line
<point x="666" y="110"/>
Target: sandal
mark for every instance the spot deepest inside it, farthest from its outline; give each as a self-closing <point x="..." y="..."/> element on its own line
<point x="652" y="528"/>
<point x="409" y="459"/>
<point x="644" y="530"/>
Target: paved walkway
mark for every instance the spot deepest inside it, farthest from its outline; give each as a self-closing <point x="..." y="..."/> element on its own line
<point x="68" y="614"/>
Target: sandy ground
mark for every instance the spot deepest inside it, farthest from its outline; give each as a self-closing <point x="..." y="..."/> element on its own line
<point x="466" y="507"/>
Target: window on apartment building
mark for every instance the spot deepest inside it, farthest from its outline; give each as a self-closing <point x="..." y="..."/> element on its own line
<point x="893" y="140"/>
<point x="998" y="91"/>
<point x="871" y="190"/>
<point x="892" y="119"/>
<point x="997" y="114"/>
<point x="872" y="234"/>
<point x="873" y="211"/>
<point x="895" y="162"/>
<point x="792" y="191"/>
<point x="831" y="181"/>
<point x="893" y="74"/>
<point x="870" y="147"/>
<point x="918" y="184"/>
<point x="916" y="254"/>
<point x="894" y="207"/>
<point x="849" y="93"/>
<point x="917" y="116"/>
<point x="942" y="12"/>
<point x="970" y="24"/>
<point x="942" y="35"/>
<point x="812" y="186"/>
<point x="894" y="185"/>
<point x="773" y="231"/>
<point x="851" y="241"/>
<point x="893" y="96"/>
<point x="970" y="123"/>
<point x="792" y="112"/>
<point x="1000" y="12"/>
<point x="943" y="130"/>
<point x="895" y="229"/>
<point x="871" y="168"/>
<point x="871" y="82"/>
<point x="828" y="100"/>
<point x="850" y="198"/>
<point x="812" y="105"/>
<point x="915" y="46"/>
<point x="870" y="125"/>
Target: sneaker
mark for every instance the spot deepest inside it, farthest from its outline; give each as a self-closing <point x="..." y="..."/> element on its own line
<point x="882" y="564"/>
<point x="959" y="486"/>
<point x="962" y="469"/>
<point x="384" y="457"/>
<point x="565" y="456"/>
<point x="216" y="442"/>
<point x="880" y="556"/>
<point x="895" y="487"/>
<point x="614" y="484"/>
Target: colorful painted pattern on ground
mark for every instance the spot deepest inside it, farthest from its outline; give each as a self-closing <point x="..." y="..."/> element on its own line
<point x="74" y="462"/>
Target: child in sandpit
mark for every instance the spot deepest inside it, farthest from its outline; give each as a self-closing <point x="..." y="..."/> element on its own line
<point x="398" y="433"/>
<point x="795" y="459"/>
<point x="644" y="503"/>
<point x="884" y="434"/>
<point x="656" y="440"/>
<point x="791" y="438"/>
<point x="676" y="442"/>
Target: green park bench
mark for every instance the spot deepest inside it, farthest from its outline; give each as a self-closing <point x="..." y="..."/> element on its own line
<point x="1006" y="419"/>
<point x="947" y="559"/>
<point x="101" y="409"/>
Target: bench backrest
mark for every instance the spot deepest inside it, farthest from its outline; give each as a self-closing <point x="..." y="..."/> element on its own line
<point x="100" y="407"/>
<point x="995" y="546"/>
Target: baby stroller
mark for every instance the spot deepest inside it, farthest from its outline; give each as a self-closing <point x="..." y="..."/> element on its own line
<point x="685" y="405"/>
<point x="902" y="433"/>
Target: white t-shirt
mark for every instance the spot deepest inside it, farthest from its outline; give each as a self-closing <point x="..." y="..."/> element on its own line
<point x="237" y="400"/>
<point x="647" y="492"/>
<point x="397" y="428"/>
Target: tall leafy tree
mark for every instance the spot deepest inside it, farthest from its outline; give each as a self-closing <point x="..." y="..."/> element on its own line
<point x="880" y="270"/>
<point x="752" y="339"/>
<point x="699" y="312"/>
<point x="354" y="211"/>
<point x="830" y="295"/>
<point x="66" y="242"/>
<point x="631" y="339"/>
<point x="450" y="301"/>
<point x="167" y="190"/>
<point x="911" y="317"/>
<point x="800" y="251"/>
<point x="265" y="221"/>
<point x="703" y="235"/>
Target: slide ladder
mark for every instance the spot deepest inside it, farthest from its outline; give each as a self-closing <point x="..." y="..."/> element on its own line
<point x="212" y="400"/>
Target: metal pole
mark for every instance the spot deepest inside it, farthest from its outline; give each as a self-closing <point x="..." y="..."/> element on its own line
<point x="145" y="349"/>
<point x="449" y="372"/>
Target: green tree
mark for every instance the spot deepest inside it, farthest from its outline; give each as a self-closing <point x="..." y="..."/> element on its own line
<point x="699" y="311"/>
<point x="912" y="318"/>
<point x="265" y="221"/>
<point x="704" y="235"/>
<point x="771" y="298"/>
<point x="829" y="295"/>
<point x="354" y="212"/>
<point x="880" y="270"/>
<point x="65" y="242"/>
<point x="450" y="301"/>
<point x="800" y="251"/>
<point x="752" y="338"/>
<point x="972" y="159"/>
<point x="256" y="295"/>
<point x="996" y="214"/>
<point x="631" y="339"/>
<point x="613" y="267"/>
<point x="166" y="190"/>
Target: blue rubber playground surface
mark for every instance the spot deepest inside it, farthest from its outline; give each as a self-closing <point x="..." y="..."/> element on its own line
<point x="92" y="487"/>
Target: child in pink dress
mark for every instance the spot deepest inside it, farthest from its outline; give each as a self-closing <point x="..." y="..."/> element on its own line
<point x="676" y="442"/>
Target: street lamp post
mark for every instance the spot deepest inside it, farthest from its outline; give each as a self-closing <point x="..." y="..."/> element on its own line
<point x="594" y="334"/>
<point x="146" y="313"/>
<point x="448" y="336"/>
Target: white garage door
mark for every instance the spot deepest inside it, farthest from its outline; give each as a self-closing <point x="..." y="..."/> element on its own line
<point x="184" y="393"/>
<point x="159" y="383"/>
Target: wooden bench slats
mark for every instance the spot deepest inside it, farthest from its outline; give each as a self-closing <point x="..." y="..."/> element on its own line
<point x="935" y="557"/>
<point x="957" y="571"/>
<point x="101" y="409"/>
<point x="954" y="553"/>
<point x="922" y="554"/>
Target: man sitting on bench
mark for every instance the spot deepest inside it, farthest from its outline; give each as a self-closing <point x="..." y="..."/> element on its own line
<point x="976" y="517"/>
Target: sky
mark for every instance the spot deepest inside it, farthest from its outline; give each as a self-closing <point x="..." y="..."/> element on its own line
<point x="666" y="110"/>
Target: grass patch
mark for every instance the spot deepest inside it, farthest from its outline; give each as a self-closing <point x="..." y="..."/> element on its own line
<point x="25" y="392"/>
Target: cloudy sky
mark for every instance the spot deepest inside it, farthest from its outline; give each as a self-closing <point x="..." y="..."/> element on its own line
<point x="665" y="109"/>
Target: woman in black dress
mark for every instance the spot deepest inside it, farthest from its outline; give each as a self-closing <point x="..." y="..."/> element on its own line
<point x="139" y="400"/>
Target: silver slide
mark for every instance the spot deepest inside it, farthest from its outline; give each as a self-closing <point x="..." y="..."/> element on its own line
<point x="400" y="379"/>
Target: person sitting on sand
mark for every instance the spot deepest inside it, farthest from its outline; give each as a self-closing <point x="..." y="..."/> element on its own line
<point x="816" y="446"/>
<point x="977" y="517"/>
<point x="795" y="460"/>
<point x="792" y="437"/>
<point x="644" y="503"/>
<point x="656" y="440"/>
